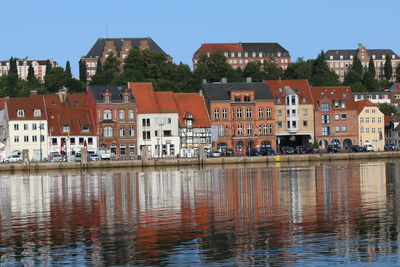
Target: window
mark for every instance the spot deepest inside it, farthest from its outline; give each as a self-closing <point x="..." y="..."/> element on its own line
<point x="287" y="100"/>
<point x="305" y="112"/>
<point x="131" y="115"/>
<point x="240" y="130"/>
<point x="113" y="150"/>
<point x="25" y="126"/>
<point x="366" y="120"/>
<point x="122" y="115"/>
<point x="337" y="129"/>
<point x="293" y="100"/>
<point x="146" y="135"/>
<point x="325" y="107"/>
<point x="131" y="149"/>
<point x="362" y="129"/>
<point x="20" y="113"/>
<point x="131" y="131"/>
<point x="305" y="123"/>
<point x="42" y="138"/>
<point x="85" y="128"/>
<point x="16" y="127"/>
<point x="268" y="112"/>
<point x="216" y="114"/>
<point x="34" y="127"/>
<point x="146" y="122"/>
<point x="108" y="131"/>
<point x="249" y="113"/>
<point x="107" y="114"/>
<point x="344" y="129"/>
<point x="260" y="113"/>
<point x="37" y="113"/>
<point x="288" y="124"/>
<point x="221" y="130"/>
<point x="294" y="124"/>
<point x="337" y="117"/>
<point x="26" y="139"/>
<point x="65" y="128"/>
<point x="54" y="141"/>
<point x="249" y="130"/>
<point x="325" y="119"/>
<point x="239" y="113"/>
<point x="361" y="119"/>
<point x="238" y="98"/>
<point x="280" y="124"/>
<point x="326" y="130"/>
<point x="126" y="98"/>
<point x="379" y="119"/>
<point x="224" y="113"/>
<point x="343" y="104"/>
<point x="122" y="131"/>
<point x="247" y="98"/>
<point x="81" y="140"/>
<point x="373" y="119"/>
<point x="167" y="133"/>
<point x="34" y="138"/>
<point x="344" y="117"/>
<point x="122" y="150"/>
<point x="16" y="139"/>
<point x="293" y="113"/>
<point x="366" y="130"/>
<point x="72" y="140"/>
<point x="373" y="110"/>
<point x="106" y="99"/>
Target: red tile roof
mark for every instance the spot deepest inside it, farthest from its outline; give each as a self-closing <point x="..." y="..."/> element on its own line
<point x="334" y="93"/>
<point x="28" y="104"/>
<point x="149" y="101"/>
<point x="73" y="113"/>
<point x="364" y="103"/>
<point x="192" y="103"/>
<point x="302" y="86"/>
<point x="215" y="48"/>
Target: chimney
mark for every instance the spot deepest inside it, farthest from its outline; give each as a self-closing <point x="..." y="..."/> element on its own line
<point x="201" y="93"/>
<point x="224" y="80"/>
<point x="144" y="44"/>
<point x="62" y="93"/>
<point x="248" y="80"/>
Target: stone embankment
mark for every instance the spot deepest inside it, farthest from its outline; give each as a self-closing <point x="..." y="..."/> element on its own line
<point x="325" y="157"/>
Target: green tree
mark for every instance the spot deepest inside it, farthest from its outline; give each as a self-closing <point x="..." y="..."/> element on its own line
<point x="272" y="71"/>
<point x="218" y="69"/>
<point x="109" y="74"/>
<point x="369" y="81"/>
<point x="253" y="70"/>
<point x="357" y="67"/>
<point x="134" y="66"/>
<point x="99" y="67"/>
<point x="31" y="73"/>
<point x="321" y="75"/>
<point x="388" y="68"/>
<point x="56" y="78"/>
<point x="11" y="86"/>
<point x="387" y="109"/>
<point x="82" y="71"/>
<point x="68" y="70"/>
<point x="371" y="67"/>
<point x="299" y="70"/>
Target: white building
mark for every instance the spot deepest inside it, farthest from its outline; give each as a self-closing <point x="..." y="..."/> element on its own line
<point x="157" y="121"/>
<point x="39" y="67"/>
<point x="27" y="126"/>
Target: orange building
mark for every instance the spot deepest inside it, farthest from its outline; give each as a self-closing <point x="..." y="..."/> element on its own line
<point x="242" y="115"/>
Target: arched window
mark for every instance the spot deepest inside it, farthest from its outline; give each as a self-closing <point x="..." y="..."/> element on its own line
<point x="122" y="131"/>
<point x="131" y="115"/>
<point x="107" y="115"/>
<point x="121" y="115"/>
<point x="131" y="131"/>
<point x="108" y="131"/>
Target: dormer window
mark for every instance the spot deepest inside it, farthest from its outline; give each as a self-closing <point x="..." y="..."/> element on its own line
<point x="247" y="98"/>
<point x="20" y="113"/>
<point x="37" y="113"/>
<point x="341" y="57"/>
<point x="126" y="98"/>
<point x="85" y="128"/>
<point x="238" y="98"/>
<point x="66" y="128"/>
<point x="107" y="97"/>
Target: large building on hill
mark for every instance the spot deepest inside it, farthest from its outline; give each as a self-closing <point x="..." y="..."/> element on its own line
<point x="341" y="60"/>
<point x="242" y="115"/>
<point x="39" y="66"/>
<point x="238" y="55"/>
<point x="119" y="47"/>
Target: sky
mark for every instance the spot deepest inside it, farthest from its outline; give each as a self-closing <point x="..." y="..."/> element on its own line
<point x="66" y="30"/>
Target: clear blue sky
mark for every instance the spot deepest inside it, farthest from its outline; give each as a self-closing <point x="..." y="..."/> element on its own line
<point x="66" y="30"/>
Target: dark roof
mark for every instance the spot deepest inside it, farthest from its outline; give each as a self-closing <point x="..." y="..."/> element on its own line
<point x="98" y="47"/>
<point x="221" y="91"/>
<point x="269" y="49"/>
<point x="346" y="53"/>
<point x="115" y="91"/>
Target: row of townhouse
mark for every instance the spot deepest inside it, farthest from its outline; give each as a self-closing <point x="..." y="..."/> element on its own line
<point x="134" y="119"/>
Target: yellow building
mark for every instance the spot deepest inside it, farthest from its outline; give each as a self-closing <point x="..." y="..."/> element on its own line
<point x="371" y="125"/>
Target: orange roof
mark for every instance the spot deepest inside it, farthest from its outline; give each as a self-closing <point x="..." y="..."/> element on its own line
<point x="338" y="93"/>
<point x="215" y="48"/>
<point x="28" y="104"/>
<point x="302" y="86"/>
<point x="397" y="85"/>
<point x="149" y="101"/>
<point x="364" y="103"/>
<point x="73" y="113"/>
<point x="192" y="103"/>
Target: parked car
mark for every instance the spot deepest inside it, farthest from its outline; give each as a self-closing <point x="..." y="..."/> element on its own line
<point x="55" y="157"/>
<point x="333" y="149"/>
<point x="391" y="147"/>
<point x="253" y="152"/>
<point x="356" y="148"/>
<point x="229" y="153"/>
<point x="287" y="150"/>
<point x="78" y="156"/>
<point x="214" y="153"/>
<point x="267" y="151"/>
<point x="13" y="158"/>
<point x="369" y="148"/>
<point x="105" y="154"/>
<point x="93" y="157"/>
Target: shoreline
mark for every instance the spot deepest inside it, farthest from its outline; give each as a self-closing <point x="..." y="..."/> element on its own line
<point x="166" y="162"/>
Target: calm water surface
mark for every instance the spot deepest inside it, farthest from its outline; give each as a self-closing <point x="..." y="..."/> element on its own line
<point x="317" y="215"/>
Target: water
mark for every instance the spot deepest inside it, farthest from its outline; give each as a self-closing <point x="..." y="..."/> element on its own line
<point x="318" y="215"/>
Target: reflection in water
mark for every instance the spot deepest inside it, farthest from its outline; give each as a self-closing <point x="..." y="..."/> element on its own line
<point x="290" y="215"/>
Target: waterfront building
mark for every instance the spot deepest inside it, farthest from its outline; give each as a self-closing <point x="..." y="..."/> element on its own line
<point x="336" y="116"/>
<point x="341" y="60"/>
<point x="395" y="94"/>
<point x="371" y="125"/>
<point x="115" y="115"/>
<point x="27" y="126"/>
<point x="157" y="121"/>
<point x="294" y="109"/>
<point x="239" y="54"/>
<point x="119" y="47"/>
<point x="392" y="129"/>
<point x="39" y="66"/>
<point x="71" y="123"/>
<point x="242" y="115"/>
<point x="374" y="97"/>
<point x="194" y="124"/>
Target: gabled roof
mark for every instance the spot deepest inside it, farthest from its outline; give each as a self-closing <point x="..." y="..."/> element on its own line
<point x="360" y="105"/>
<point x="28" y="104"/>
<point x="149" y="101"/>
<point x="116" y="91"/>
<point x="268" y="49"/>
<point x="98" y="47"/>
<point x="192" y="104"/>
<point x="73" y="113"/>
<point x="300" y="87"/>
<point x="333" y="93"/>
<point x="221" y="91"/>
<point x="346" y="53"/>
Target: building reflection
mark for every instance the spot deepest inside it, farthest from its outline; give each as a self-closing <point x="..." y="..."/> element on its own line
<point x="251" y="215"/>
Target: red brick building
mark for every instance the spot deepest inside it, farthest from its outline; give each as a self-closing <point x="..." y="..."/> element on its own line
<point x="238" y="55"/>
<point x="119" y="47"/>
<point x="243" y="114"/>
<point x="336" y="116"/>
<point x="115" y="113"/>
<point x="39" y="66"/>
